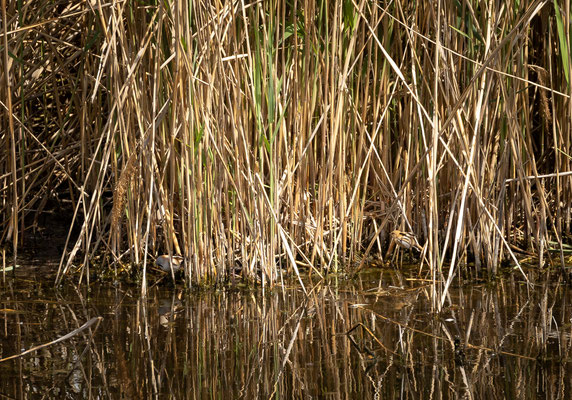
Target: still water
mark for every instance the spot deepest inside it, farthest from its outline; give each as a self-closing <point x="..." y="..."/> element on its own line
<point x="373" y="336"/>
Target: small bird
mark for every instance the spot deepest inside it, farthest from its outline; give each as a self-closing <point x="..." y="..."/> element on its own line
<point x="167" y="263"/>
<point x="406" y="240"/>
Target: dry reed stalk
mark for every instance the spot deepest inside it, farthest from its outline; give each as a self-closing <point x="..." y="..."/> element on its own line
<point x="12" y="232"/>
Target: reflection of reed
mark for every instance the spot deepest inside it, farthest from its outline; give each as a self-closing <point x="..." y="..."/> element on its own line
<point x="239" y="343"/>
<point x="244" y="344"/>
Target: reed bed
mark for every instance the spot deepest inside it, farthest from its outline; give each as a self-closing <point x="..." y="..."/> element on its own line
<point x="271" y="135"/>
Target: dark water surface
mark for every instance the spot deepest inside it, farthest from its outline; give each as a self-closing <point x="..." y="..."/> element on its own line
<point x="499" y="340"/>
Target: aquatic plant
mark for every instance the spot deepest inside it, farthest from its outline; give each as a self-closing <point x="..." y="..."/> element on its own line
<point x="269" y="135"/>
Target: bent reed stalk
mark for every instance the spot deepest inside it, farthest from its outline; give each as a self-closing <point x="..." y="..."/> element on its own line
<point x="265" y="134"/>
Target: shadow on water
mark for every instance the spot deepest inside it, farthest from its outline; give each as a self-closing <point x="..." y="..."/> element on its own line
<point x="491" y="341"/>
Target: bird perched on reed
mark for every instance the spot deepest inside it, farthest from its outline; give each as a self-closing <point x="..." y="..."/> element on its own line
<point x="167" y="263"/>
<point x="406" y="240"/>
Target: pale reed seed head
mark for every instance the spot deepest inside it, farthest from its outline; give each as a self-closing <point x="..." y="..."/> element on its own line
<point x="121" y="188"/>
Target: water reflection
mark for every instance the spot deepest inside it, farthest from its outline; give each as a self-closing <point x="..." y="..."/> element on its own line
<point x="498" y="341"/>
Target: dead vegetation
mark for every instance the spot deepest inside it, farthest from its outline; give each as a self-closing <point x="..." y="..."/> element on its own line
<point x="270" y="133"/>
